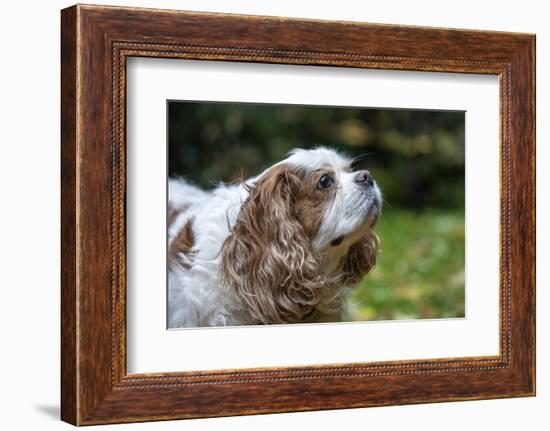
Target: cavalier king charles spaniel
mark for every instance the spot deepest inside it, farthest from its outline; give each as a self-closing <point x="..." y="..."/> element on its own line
<point x="282" y="247"/>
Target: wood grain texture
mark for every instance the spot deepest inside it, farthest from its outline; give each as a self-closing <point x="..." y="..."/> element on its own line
<point x="96" y="41"/>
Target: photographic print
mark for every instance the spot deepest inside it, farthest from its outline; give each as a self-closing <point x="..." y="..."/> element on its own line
<point x="282" y="214"/>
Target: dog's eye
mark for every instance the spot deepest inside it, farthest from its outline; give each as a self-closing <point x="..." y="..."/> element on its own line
<point x="325" y="181"/>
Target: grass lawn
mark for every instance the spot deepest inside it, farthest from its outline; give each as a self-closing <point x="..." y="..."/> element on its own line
<point x="420" y="268"/>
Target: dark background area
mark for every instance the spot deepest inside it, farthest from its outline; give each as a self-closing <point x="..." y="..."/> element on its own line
<point x="416" y="156"/>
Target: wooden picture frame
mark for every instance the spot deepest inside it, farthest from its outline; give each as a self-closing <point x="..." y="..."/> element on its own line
<point x="95" y="43"/>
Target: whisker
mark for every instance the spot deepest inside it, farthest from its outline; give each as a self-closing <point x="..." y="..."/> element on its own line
<point x="386" y="203"/>
<point x="361" y="157"/>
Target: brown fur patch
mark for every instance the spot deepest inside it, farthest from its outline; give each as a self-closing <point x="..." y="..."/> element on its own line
<point x="173" y="212"/>
<point x="311" y="201"/>
<point x="361" y="258"/>
<point x="182" y="243"/>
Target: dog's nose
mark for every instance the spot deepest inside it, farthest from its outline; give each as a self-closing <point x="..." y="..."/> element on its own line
<point x="364" y="178"/>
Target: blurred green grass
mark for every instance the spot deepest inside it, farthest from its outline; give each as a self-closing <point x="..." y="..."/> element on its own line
<point x="420" y="268"/>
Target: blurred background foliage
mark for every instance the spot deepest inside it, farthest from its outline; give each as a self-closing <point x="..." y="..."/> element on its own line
<point x="416" y="156"/>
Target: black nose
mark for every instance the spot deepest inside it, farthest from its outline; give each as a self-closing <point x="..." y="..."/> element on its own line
<point x="364" y="177"/>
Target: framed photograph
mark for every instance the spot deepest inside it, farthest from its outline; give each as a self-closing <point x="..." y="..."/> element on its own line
<point x="264" y="214"/>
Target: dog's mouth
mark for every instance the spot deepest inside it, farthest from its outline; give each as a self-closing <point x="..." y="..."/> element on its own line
<point x="371" y="208"/>
<point x="371" y="217"/>
<point x="363" y="213"/>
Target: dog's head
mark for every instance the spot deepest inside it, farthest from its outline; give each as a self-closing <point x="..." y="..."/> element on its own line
<point x="305" y="229"/>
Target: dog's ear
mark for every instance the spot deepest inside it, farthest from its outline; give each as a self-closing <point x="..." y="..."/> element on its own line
<point x="267" y="260"/>
<point x="360" y="259"/>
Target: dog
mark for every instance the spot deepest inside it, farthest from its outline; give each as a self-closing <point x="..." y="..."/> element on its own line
<point x="282" y="247"/>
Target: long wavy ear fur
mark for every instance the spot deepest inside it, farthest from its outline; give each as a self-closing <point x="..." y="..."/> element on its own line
<point x="361" y="258"/>
<point x="267" y="259"/>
